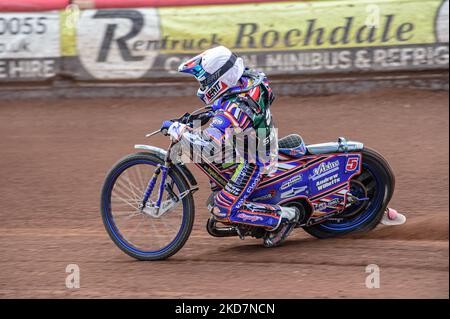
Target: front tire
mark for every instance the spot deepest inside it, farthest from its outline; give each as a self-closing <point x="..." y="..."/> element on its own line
<point x="376" y="176"/>
<point x="144" y="250"/>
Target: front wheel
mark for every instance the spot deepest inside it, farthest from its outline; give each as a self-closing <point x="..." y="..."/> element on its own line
<point x="375" y="182"/>
<point x="143" y="233"/>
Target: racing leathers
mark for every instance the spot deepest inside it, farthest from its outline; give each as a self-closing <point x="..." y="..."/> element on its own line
<point x="241" y="119"/>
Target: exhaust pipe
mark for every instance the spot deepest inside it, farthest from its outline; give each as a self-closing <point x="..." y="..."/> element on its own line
<point x="213" y="230"/>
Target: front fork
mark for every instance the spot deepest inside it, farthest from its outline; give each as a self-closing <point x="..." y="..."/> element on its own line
<point x="151" y="185"/>
<point x="160" y="207"/>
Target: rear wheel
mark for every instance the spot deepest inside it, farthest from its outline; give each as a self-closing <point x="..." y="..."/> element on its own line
<point x="376" y="182"/>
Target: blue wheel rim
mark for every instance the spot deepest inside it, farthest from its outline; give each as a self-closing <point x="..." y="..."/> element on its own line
<point x="113" y="228"/>
<point x="363" y="217"/>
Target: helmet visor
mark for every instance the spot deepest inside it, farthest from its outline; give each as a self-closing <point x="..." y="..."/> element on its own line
<point x="194" y="67"/>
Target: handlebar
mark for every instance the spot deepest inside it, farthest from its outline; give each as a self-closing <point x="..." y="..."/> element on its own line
<point x="204" y="116"/>
<point x="188" y="119"/>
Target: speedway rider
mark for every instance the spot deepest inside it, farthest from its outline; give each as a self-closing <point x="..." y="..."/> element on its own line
<point x="240" y="99"/>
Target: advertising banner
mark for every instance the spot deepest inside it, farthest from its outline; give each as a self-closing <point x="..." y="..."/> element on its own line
<point x="318" y="37"/>
<point x="279" y="38"/>
<point x="29" y="46"/>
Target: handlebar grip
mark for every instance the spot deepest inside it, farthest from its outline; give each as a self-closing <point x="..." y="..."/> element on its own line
<point x="204" y="118"/>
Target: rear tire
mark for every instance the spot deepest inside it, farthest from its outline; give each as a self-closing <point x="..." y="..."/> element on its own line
<point x="381" y="172"/>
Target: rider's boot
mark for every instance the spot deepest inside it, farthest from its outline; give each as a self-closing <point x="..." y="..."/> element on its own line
<point x="289" y="218"/>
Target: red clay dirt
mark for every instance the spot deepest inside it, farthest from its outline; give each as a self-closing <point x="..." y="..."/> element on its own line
<point x="55" y="155"/>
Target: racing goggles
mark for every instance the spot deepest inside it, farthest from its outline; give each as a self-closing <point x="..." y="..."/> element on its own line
<point x="194" y="67"/>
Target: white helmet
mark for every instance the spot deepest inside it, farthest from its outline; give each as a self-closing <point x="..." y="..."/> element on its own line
<point x="216" y="69"/>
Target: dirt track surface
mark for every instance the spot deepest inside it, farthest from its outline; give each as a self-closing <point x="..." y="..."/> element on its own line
<point x="55" y="155"/>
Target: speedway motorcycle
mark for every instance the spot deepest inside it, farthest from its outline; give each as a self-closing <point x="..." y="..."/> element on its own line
<point x="148" y="209"/>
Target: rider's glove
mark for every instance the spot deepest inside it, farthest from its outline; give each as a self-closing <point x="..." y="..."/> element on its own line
<point x="174" y="129"/>
<point x="217" y="105"/>
<point x="165" y="126"/>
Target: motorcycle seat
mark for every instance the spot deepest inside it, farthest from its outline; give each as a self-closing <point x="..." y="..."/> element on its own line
<point x="292" y="145"/>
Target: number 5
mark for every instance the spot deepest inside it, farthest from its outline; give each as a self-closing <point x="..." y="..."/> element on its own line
<point x="352" y="164"/>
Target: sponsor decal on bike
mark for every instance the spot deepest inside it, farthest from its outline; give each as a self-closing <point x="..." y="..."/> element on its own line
<point x="269" y="195"/>
<point x="325" y="203"/>
<point x="252" y="218"/>
<point x="325" y="167"/>
<point x="320" y="206"/>
<point x="291" y="182"/>
<point x="297" y="151"/>
<point x="327" y="182"/>
<point x="293" y="170"/>
<point x="294" y="192"/>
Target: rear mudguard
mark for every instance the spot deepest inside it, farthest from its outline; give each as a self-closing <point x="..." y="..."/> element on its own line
<point x="161" y="153"/>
